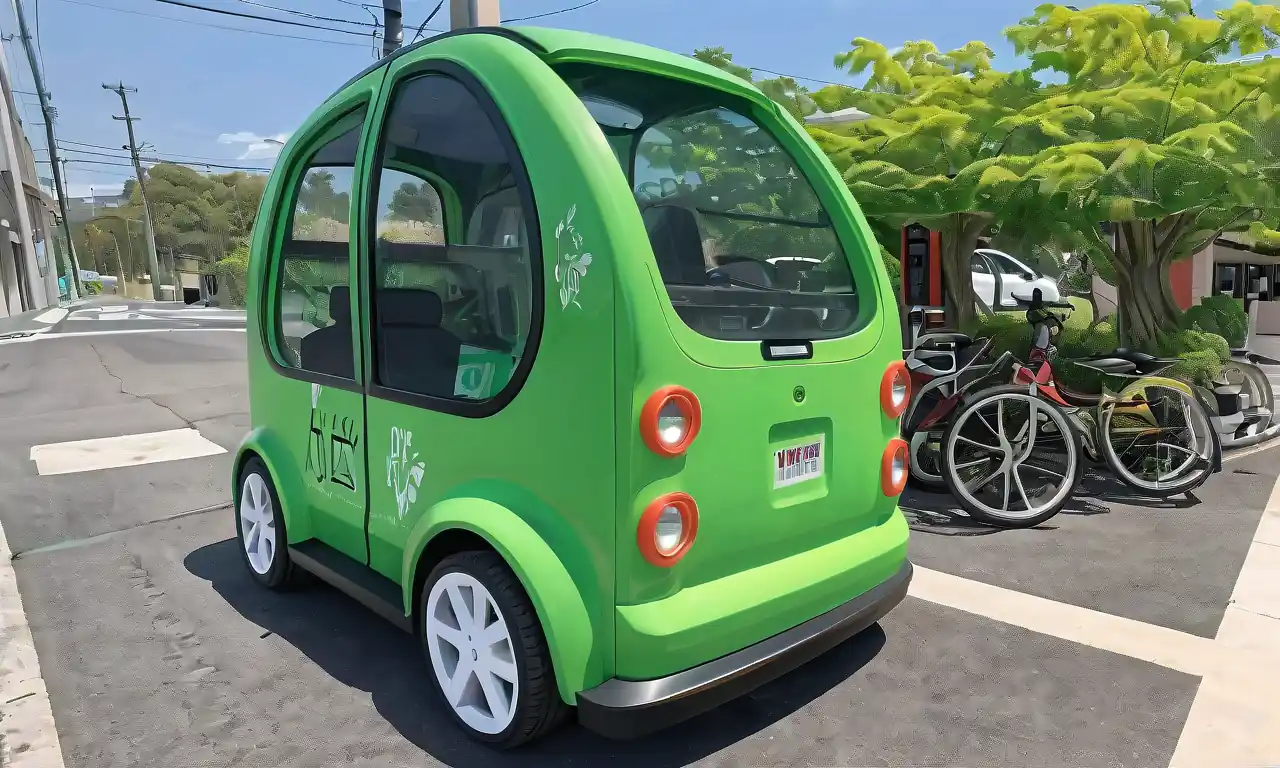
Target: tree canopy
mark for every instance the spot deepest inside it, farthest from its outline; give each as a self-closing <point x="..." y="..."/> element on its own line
<point x="1148" y="116"/>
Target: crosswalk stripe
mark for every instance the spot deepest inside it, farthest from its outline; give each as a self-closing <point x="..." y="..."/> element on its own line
<point x="122" y="451"/>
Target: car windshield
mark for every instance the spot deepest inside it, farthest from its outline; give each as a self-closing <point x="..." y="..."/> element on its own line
<point x="743" y="244"/>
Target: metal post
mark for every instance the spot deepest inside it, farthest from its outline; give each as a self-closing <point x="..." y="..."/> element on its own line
<point x="38" y="77"/>
<point x="149" y="232"/>
<point x="473" y="13"/>
<point x="392" y="21"/>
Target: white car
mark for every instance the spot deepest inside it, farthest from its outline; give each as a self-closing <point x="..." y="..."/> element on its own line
<point x="988" y="264"/>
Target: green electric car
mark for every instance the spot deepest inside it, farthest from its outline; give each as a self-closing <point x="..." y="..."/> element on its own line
<point x="576" y="359"/>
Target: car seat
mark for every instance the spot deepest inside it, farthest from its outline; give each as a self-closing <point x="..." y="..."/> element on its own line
<point x="328" y="350"/>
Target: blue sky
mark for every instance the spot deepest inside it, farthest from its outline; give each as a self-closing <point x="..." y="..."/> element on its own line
<point x="213" y="94"/>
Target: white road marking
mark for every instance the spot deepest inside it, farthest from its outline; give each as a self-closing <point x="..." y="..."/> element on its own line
<point x="1234" y="719"/>
<point x="1136" y="639"/>
<point x="30" y="736"/>
<point x="80" y="334"/>
<point x="122" y="451"/>
<point x="51" y="316"/>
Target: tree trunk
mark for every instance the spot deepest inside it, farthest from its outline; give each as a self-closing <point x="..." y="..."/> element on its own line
<point x="959" y="234"/>
<point x="1145" y="298"/>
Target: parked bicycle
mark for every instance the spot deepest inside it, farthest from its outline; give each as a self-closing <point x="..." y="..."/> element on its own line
<point x="944" y="366"/>
<point x="1154" y="435"/>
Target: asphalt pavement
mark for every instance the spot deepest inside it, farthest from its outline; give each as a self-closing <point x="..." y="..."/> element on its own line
<point x="157" y="649"/>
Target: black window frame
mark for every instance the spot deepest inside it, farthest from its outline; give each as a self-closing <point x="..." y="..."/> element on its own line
<point x="282" y="220"/>
<point x="475" y="409"/>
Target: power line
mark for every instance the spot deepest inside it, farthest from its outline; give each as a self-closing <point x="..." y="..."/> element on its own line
<point x="550" y="13"/>
<point x="796" y="77"/>
<point x="306" y="15"/>
<point x="180" y="155"/>
<point x="426" y="21"/>
<point x="216" y="26"/>
<point x="158" y="160"/>
<point x="239" y="14"/>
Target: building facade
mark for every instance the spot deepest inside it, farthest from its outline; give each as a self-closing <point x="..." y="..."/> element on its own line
<point x="28" y="268"/>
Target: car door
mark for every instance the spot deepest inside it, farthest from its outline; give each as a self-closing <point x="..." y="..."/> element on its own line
<point x="315" y="322"/>
<point x="984" y="279"/>
<point x="1015" y="277"/>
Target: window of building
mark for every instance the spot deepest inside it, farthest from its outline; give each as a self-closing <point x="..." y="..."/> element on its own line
<point x="454" y="269"/>
<point x="313" y="303"/>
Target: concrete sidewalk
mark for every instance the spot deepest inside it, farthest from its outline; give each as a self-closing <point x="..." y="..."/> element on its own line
<point x="35" y="321"/>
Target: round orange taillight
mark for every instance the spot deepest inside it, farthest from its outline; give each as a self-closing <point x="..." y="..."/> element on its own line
<point x="895" y="389"/>
<point x="894" y="467"/>
<point x="667" y="529"/>
<point x="670" y="420"/>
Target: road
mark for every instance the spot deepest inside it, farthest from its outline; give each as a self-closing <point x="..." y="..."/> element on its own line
<point x="1083" y="643"/>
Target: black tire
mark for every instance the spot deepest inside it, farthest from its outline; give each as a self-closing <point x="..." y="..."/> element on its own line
<point x="1193" y="480"/>
<point x="539" y="708"/>
<point x="960" y="421"/>
<point x="283" y="573"/>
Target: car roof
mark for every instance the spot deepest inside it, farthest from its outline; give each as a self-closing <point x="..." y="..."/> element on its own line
<point x="562" y="45"/>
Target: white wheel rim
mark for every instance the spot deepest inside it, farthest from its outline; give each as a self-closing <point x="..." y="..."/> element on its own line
<point x="1198" y="455"/>
<point x="1013" y="457"/>
<point x="257" y="524"/>
<point x="471" y="653"/>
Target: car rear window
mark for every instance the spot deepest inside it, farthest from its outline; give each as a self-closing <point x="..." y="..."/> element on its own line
<point x="744" y="246"/>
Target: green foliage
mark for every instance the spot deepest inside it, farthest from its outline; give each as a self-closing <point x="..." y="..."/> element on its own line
<point x="232" y="272"/>
<point x="1220" y="315"/>
<point x="1202" y="354"/>
<point x="196" y="214"/>
<point x="414" y="202"/>
<point x="92" y="287"/>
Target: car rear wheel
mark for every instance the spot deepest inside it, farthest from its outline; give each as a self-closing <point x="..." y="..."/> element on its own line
<point x="488" y="655"/>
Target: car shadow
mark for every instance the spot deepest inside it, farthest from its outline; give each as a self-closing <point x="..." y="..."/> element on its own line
<point x="328" y="627"/>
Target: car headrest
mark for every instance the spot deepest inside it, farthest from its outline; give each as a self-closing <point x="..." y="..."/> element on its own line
<point x="409" y="307"/>
<point x="340" y="304"/>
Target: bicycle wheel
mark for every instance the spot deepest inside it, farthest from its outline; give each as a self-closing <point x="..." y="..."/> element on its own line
<point x="1001" y="463"/>
<point x="1158" y="440"/>
<point x="925" y="467"/>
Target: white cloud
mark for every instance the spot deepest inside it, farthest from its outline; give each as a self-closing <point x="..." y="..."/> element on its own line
<point x="256" y="146"/>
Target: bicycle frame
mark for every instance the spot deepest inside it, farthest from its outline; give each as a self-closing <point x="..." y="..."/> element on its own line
<point x="1043" y="383"/>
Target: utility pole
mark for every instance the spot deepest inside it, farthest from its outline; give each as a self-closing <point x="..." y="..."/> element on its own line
<point x="73" y="279"/>
<point x="473" y="13"/>
<point x="392" y="21"/>
<point x="68" y="257"/>
<point x="149" y="232"/>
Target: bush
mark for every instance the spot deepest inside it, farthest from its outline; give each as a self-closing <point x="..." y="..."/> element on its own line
<point x="1221" y="315"/>
<point x="232" y="270"/>
<point x="92" y="287"/>
<point x="1201" y="353"/>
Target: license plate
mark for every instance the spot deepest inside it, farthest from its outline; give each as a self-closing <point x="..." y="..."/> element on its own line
<point x="797" y="463"/>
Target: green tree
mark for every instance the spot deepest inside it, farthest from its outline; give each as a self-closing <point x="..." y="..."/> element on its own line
<point x="414" y="202"/>
<point x="947" y="144"/>
<point x="1178" y="147"/>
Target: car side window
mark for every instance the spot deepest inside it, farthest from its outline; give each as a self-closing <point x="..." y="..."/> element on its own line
<point x="312" y="306"/>
<point x="454" y="270"/>
<point x="978" y="264"/>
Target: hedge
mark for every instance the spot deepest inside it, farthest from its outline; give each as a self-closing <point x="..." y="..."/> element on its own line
<point x="1201" y="353"/>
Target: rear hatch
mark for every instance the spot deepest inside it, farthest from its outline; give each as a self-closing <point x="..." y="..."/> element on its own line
<point x="767" y="304"/>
